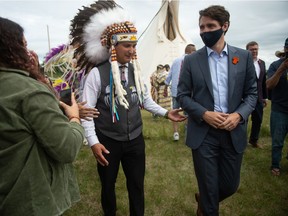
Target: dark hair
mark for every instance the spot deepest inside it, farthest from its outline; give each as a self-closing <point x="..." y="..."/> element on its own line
<point x="13" y="53"/>
<point x="251" y="43"/>
<point x="216" y="12"/>
<point x="190" y="48"/>
<point x="160" y="66"/>
<point x="167" y="67"/>
<point x="13" y="50"/>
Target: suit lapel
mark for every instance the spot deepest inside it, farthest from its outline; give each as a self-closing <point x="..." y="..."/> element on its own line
<point x="232" y="70"/>
<point x="204" y="67"/>
<point x="262" y="70"/>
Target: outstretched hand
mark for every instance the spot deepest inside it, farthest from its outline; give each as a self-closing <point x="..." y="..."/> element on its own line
<point x="86" y="112"/>
<point x="175" y="116"/>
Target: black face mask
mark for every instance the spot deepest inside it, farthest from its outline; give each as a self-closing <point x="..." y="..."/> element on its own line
<point x="211" y="38"/>
<point x="286" y="55"/>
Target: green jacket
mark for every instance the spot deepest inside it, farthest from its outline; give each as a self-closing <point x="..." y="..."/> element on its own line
<point x="37" y="147"/>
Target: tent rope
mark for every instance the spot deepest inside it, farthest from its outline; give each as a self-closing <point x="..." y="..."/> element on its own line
<point x="150" y="22"/>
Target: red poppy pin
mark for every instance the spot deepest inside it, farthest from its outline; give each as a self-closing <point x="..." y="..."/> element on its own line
<point x="235" y="60"/>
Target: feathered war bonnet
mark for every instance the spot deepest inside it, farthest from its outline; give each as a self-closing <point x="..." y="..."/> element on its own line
<point x="95" y="30"/>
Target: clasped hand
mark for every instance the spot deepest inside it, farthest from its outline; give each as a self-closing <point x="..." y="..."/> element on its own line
<point x="220" y="120"/>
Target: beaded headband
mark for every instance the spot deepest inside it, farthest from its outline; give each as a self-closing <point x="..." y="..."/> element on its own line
<point x="121" y="32"/>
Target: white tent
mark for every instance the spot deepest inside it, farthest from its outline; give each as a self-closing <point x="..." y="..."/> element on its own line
<point x="162" y="41"/>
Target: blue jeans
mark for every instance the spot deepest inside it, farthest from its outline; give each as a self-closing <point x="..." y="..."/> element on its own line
<point x="279" y="130"/>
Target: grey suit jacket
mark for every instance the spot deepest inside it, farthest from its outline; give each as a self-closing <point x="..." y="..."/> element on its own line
<point x="195" y="94"/>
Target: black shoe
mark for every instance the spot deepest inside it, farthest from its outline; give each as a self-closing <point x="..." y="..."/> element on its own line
<point x="255" y="144"/>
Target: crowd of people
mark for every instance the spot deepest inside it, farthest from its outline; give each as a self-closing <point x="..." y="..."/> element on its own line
<point x="216" y="89"/>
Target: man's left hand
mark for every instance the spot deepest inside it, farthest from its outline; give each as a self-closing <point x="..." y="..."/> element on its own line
<point x="231" y="122"/>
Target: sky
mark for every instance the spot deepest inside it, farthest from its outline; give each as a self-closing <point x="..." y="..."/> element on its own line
<point x="46" y="23"/>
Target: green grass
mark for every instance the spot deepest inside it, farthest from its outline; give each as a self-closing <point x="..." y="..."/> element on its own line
<point x="170" y="182"/>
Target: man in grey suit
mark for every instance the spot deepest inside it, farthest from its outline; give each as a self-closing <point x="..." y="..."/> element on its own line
<point x="217" y="89"/>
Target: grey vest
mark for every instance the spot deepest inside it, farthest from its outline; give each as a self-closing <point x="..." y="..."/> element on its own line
<point x="129" y="125"/>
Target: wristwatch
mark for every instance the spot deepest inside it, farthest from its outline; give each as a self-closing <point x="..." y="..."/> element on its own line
<point x="166" y="114"/>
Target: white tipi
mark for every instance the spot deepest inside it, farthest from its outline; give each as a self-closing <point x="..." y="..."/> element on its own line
<point x="162" y="41"/>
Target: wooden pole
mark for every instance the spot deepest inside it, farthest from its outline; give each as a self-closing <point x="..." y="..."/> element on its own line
<point x="48" y="34"/>
<point x="49" y="47"/>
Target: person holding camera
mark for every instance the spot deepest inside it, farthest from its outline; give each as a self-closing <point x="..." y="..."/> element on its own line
<point x="277" y="84"/>
<point x="38" y="142"/>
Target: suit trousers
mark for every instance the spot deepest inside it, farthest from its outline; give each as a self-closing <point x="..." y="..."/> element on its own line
<point x="256" y="118"/>
<point x="131" y="154"/>
<point x="217" y="167"/>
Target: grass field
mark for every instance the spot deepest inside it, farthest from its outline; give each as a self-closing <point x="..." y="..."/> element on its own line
<point x="170" y="182"/>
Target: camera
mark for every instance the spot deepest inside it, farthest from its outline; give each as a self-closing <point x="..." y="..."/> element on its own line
<point x="65" y="96"/>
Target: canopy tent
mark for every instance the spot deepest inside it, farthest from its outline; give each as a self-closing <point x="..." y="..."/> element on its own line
<point x="162" y="40"/>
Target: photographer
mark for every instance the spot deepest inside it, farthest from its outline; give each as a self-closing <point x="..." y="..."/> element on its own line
<point x="38" y="143"/>
<point x="277" y="84"/>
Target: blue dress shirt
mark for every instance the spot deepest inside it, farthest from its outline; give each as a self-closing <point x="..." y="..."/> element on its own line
<point x="218" y="65"/>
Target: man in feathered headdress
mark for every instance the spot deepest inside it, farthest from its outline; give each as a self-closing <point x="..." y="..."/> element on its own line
<point x="106" y="42"/>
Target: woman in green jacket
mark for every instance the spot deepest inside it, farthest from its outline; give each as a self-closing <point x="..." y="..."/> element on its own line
<point x="37" y="142"/>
